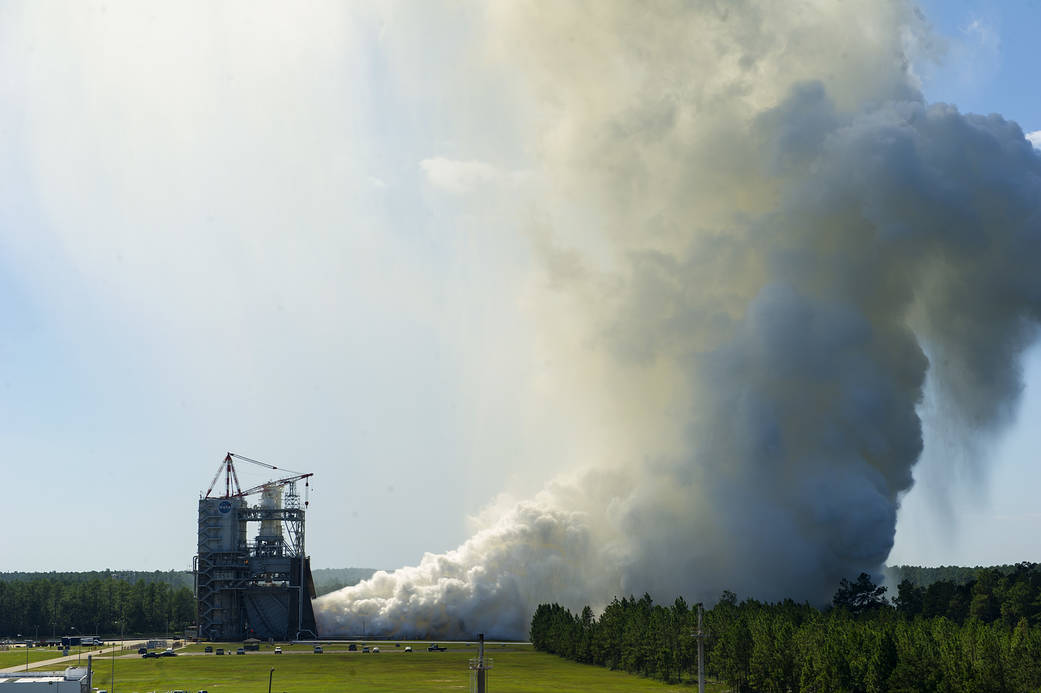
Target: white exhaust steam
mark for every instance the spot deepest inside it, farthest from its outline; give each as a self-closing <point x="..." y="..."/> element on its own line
<point x="776" y="240"/>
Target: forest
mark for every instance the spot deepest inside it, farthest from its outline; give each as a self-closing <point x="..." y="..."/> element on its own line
<point x="950" y="637"/>
<point x="61" y="604"/>
<point x="107" y="601"/>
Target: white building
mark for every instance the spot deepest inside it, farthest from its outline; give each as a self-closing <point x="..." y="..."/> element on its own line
<point x="72" y="680"/>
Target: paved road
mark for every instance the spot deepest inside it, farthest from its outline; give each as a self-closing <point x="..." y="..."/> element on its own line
<point x="71" y="659"/>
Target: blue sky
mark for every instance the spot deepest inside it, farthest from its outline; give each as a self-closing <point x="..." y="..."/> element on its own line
<point x="223" y="231"/>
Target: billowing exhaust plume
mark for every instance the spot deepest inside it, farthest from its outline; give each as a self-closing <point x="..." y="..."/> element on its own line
<point x="771" y="240"/>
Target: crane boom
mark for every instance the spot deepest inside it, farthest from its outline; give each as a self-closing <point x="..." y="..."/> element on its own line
<point x="231" y="478"/>
<point x="277" y="482"/>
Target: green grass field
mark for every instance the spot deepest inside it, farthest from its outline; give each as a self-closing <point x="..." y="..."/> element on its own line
<point x="14" y="657"/>
<point x="516" y="669"/>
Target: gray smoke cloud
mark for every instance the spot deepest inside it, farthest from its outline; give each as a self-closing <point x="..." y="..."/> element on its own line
<point x="761" y="241"/>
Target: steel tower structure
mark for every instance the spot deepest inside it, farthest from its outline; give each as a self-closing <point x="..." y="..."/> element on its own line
<point x="253" y="585"/>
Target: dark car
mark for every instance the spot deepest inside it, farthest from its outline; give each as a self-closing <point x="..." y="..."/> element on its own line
<point x="318" y="649"/>
<point x="168" y="653"/>
<point x="241" y="650"/>
<point x="352" y="647"/>
<point x="220" y="651"/>
<point x="209" y="648"/>
<point x="434" y="647"/>
<point x="150" y="655"/>
<point x="142" y="650"/>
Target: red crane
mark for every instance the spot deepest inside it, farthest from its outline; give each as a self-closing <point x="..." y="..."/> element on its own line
<point x="231" y="479"/>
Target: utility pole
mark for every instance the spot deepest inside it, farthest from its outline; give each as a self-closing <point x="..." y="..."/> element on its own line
<point x="269" y="676"/>
<point x="700" y="635"/>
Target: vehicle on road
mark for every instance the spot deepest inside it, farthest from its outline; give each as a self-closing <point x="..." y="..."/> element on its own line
<point x="209" y="648"/>
<point x="220" y="651"/>
<point x="142" y="650"/>
<point x="318" y="649"/>
<point x="241" y="651"/>
<point x="150" y="655"/>
<point x="408" y="648"/>
<point x="434" y="647"/>
<point x="375" y="650"/>
<point x="278" y="650"/>
<point x="352" y="647"/>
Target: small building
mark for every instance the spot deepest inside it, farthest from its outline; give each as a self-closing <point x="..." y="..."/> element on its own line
<point x="72" y="680"/>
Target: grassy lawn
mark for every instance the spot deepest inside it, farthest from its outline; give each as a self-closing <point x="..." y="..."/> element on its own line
<point x="14" y="657"/>
<point x="341" y="646"/>
<point x="515" y="670"/>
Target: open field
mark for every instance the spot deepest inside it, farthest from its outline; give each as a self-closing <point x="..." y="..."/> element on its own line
<point x="516" y="669"/>
<point x="16" y="656"/>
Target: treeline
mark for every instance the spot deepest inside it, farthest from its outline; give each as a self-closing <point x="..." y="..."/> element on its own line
<point x="987" y="637"/>
<point x="55" y="606"/>
<point x="923" y="577"/>
<point x="1002" y="593"/>
<point x="325" y="579"/>
<point x="173" y="578"/>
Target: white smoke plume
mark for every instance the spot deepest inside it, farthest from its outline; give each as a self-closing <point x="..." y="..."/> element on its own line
<point x="777" y="240"/>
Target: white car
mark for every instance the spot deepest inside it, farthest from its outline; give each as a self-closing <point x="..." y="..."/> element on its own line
<point x="278" y="650"/>
<point x="375" y="650"/>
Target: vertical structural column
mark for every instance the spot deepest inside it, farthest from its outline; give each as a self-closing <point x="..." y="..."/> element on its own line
<point x="480" y="664"/>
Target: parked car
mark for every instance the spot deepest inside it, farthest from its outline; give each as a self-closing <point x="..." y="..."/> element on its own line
<point x="209" y="648"/>
<point x="365" y="650"/>
<point x="434" y="647"/>
<point x="278" y="650"/>
<point x="241" y="650"/>
<point x="220" y="651"/>
<point x="318" y="649"/>
<point x="142" y="650"/>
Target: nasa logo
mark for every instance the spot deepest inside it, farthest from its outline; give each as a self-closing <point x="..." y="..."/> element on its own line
<point x="225" y="506"/>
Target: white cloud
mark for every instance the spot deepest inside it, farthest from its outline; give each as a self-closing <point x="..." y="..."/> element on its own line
<point x="1035" y="138"/>
<point x="461" y="177"/>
